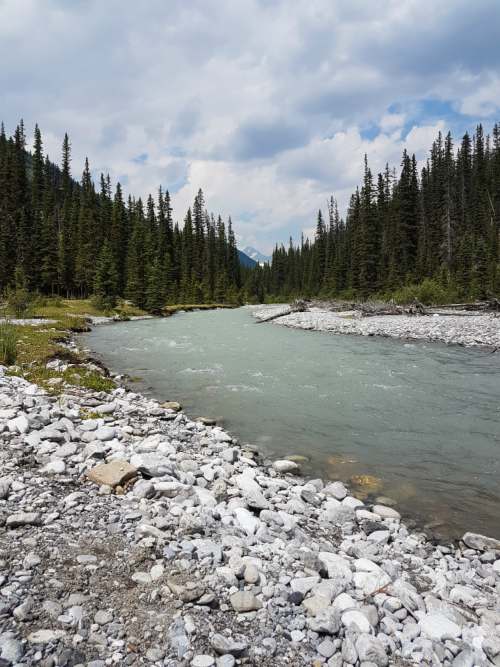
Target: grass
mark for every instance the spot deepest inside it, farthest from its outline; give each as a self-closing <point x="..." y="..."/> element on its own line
<point x="71" y="308"/>
<point x="37" y="345"/>
<point x="8" y="344"/>
<point x="172" y="309"/>
<point x="76" y="376"/>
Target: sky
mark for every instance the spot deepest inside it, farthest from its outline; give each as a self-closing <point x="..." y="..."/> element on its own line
<point x="268" y="105"/>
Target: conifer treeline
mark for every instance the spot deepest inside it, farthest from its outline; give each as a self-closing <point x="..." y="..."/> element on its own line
<point x="442" y="224"/>
<point x="60" y="236"/>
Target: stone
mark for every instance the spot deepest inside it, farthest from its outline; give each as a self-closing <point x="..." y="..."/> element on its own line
<point x="152" y="465"/>
<point x="23" y="519"/>
<point x="45" y="636"/>
<point x="11" y="649"/>
<point x="112" y="474"/>
<point x="370" y="649"/>
<point x="336" y="567"/>
<point x="355" y="620"/>
<point x="4" y="488"/>
<point x="284" y="466"/>
<point x="244" y="601"/>
<point x="251" y="575"/>
<point x="55" y="467"/>
<point x="224" y="645"/>
<point x="481" y="542"/>
<point x="169" y="489"/>
<point x="251" y="492"/>
<point x="326" y="648"/>
<point x="105" y="408"/>
<point x="225" y="661"/>
<point x="371" y="582"/>
<point x="103" y="617"/>
<point x="203" y="660"/>
<point x="171" y="405"/>
<point x="105" y="433"/>
<point x="438" y="627"/>
<point x="326" y="622"/>
<point x="336" y="490"/>
<point x="386" y="512"/>
<point x="315" y="604"/>
<point x="248" y="522"/>
<point x="304" y="584"/>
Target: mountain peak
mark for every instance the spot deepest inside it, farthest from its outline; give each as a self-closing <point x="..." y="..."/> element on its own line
<point x="256" y="255"/>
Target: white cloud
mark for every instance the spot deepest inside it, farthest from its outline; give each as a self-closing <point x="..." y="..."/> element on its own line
<point x="259" y="102"/>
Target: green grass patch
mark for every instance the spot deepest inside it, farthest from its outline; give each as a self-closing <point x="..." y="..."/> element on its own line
<point x="175" y="308"/>
<point x="88" y="414"/>
<point x="8" y="344"/>
<point x="76" y="376"/>
<point x="59" y="309"/>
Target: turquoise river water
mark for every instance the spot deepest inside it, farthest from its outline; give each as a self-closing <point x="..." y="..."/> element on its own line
<point x="418" y="422"/>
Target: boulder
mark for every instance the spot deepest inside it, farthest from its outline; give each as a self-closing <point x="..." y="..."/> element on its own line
<point x="481" y="542"/>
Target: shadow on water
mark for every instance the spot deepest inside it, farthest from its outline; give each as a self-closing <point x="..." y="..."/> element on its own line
<point x="419" y="421"/>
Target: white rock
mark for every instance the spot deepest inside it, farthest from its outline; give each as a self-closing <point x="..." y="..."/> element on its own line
<point x="55" y="467"/>
<point x="45" y="636"/>
<point x="303" y="584"/>
<point x="336" y="566"/>
<point x="343" y="602"/>
<point x="105" y="433"/>
<point x="247" y="520"/>
<point x="355" y="620"/>
<point x="386" y="512"/>
<point x="336" y="490"/>
<point x="481" y="542"/>
<point x="438" y="627"/>
<point x="284" y="466"/>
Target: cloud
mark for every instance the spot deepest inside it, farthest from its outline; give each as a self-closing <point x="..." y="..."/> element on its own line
<point x="270" y="107"/>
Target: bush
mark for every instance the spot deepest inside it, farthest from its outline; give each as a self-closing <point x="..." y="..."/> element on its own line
<point x="19" y="301"/>
<point x="104" y="303"/>
<point x="429" y="292"/>
<point x="8" y="344"/>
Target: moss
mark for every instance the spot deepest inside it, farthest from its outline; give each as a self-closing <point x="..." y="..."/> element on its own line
<point x="88" y="414"/>
<point x="76" y="376"/>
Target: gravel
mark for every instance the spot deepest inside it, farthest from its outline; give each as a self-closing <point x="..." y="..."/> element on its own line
<point x="187" y="552"/>
<point x="470" y="330"/>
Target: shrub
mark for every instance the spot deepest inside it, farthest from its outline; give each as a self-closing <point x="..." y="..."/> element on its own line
<point x="103" y="303"/>
<point x="8" y="344"/>
<point x="429" y="292"/>
<point x="19" y="301"/>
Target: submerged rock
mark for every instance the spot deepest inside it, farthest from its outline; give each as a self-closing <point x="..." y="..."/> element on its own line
<point x="481" y="542"/>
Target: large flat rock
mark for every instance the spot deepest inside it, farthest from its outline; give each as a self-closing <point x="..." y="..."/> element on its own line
<point x="112" y="474"/>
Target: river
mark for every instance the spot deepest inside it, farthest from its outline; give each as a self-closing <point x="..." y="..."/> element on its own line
<point x="418" y="422"/>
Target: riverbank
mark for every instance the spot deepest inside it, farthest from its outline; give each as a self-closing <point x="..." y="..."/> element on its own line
<point x="453" y="328"/>
<point x="190" y="549"/>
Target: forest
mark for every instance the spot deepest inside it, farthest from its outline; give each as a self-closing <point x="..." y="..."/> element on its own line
<point x="59" y="236"/>
<point x="437" y="227"/>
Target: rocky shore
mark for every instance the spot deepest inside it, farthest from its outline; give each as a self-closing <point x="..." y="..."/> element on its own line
<point x="132" y="535"/>
<point x="455" y="328"/>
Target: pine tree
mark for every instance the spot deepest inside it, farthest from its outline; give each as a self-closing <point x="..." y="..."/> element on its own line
<point x="106" y="278"/>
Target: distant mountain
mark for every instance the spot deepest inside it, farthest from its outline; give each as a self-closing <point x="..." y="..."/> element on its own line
<point x="256" y="255"/>
<point x="245" y="260"/>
